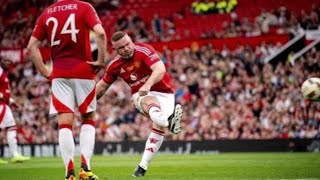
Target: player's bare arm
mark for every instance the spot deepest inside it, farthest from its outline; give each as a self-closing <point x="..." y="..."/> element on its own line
<point x="101" y="42"/>
<point x="36" y="58"/>
<point x="101" y="88"/>
<point x="158" y="70"/>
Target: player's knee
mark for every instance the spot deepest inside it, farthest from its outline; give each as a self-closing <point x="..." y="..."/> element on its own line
<point x="147" y="101"/>
<point x="88" y="116"/>
<point x="159" y="118"/>
<point x="163" y="124"/>
<point x="156" y="126"/>
<point x="65" y="118"/>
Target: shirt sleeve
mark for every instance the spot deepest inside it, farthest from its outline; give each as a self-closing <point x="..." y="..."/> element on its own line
<point x="39" y="31"/>
<point x="151" y="57"/>
<point x="92" y="17"/>
<point x="109" y="76"/>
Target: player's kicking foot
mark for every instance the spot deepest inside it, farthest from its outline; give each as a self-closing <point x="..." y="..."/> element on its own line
<point x="139" y="172"/>
<point x="175" y="120"/>
<point x="19" y="158"/>
<point x="87" y="175"/>
<point x="3" y="161"/>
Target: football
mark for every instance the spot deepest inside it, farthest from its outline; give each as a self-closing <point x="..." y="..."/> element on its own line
<point x="311" y="89"/>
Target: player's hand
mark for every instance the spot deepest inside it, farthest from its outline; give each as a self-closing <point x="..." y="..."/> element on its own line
<point x="144" y="90"/>
<point x="47" y="74"/>
<point x="96" y="63"/>
<point x="48" y="77"/>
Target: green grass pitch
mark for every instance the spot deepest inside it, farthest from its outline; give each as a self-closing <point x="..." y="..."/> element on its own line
<point x="224" y="166"/>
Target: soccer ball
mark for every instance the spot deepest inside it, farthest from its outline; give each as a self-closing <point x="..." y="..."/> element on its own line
<point x="311" y="89"/>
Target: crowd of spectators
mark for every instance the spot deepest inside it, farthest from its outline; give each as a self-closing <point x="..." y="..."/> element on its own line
<point x="225" y="95"/>
<point x="16" y="24"/>
<point x="277" y="21"/>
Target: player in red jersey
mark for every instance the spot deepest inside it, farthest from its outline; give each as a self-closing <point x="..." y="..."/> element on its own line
<point x="7" y="121"/>
<point x="66" y="24"/>
<point x="152" y="89"/>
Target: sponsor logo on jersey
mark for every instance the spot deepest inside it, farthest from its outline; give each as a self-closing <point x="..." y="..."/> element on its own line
<point x="130" y="68"/>
<point x="133" y="76"/>
<point x="143" y="80"/>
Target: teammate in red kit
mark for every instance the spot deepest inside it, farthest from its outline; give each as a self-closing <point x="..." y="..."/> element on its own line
<point x="66" y="25"/>
<point x="6" y="118"/>
<point x="152" y="90"/>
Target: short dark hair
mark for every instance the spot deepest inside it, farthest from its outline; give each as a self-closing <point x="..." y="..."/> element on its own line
<point x="118" y="35"/>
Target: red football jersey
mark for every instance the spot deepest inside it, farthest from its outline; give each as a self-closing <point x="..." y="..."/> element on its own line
<point x="4" y="87"/>
<point x="66" y="25"/>
<point x="136" y="70"/>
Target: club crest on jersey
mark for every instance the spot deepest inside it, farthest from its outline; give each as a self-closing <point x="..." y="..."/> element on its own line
<point x="129" y="68"/>
<point x="133" y="76"/>
<point x="136" y="64"/>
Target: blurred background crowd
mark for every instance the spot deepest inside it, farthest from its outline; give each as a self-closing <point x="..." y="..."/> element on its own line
<point x="156" y="20"/>
<point x="226" y="93"/>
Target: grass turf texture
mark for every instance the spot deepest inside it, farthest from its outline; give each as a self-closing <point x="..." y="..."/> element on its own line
<point x="226" y="166"/>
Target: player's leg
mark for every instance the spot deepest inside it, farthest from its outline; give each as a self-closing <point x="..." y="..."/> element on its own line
<point x="1" y="160"/>
<point x="87" y="140"/>
<point x="152" y="146"/>
<point x="7" y="122"/>
<point x="167" y="102"/>
<point x="150" y="106"/>
<point x="66" y="142"/>
<point x="86" y="102"/>
<point x="63" y="103"/>
<point x="164" y="105"/>
<point x="12" y="140"/>
<point x="13" y="145"/>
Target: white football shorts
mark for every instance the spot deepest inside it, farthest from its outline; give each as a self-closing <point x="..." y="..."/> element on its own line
<point x="68" y="94"/>
<point x="6" y="117"/>
<point x="166" y="101"/>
